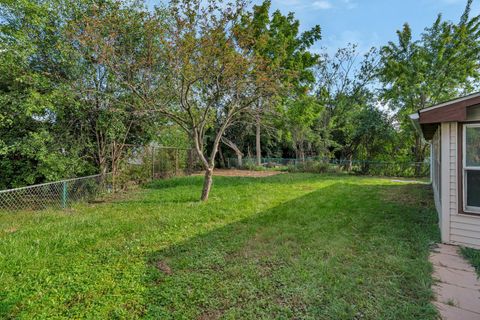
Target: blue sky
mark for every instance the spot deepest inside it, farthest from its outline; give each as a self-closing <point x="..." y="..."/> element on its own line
<point x="366" y="22"/>
<point x="369" y="22"/>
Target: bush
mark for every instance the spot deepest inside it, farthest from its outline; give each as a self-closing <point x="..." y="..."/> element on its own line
<point x="311" y="167"/>
<point x="131" y="175"/>
<point x="253" y="167"/>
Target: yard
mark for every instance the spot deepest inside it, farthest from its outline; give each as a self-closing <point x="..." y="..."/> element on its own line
<point x="289" y="246"/>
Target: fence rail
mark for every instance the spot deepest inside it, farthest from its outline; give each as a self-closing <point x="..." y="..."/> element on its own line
<point x="56" y="195"/>
<point x="146" y="164"/>
<point x="142" y="164"/>
<point x="157" y="162"/>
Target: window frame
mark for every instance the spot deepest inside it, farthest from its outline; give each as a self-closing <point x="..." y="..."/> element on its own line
<point x="465" y="168"/>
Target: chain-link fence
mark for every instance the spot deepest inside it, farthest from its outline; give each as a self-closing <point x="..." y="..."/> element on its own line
<point x="57" y="195"/>
<point x="141" y="164"/>
<point x="145" y="163"/>
<point x="317" y="164"/>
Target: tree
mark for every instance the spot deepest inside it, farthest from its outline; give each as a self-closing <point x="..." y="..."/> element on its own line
<point x="64" y="112"/>
<point x="194" y="70"/>
<point x="211" y="75"/>
<point x="372" y="135"/>
<point x="441" y="65"/>
<point x="277" y="41"/>
<point x="34" y="69"/>
<point x="107" y="36"/>
<point x="345" y="85"/>
<point x="300" y="116"/>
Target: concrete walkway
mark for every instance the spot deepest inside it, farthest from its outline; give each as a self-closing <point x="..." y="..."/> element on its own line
<point x="458" y="289"/>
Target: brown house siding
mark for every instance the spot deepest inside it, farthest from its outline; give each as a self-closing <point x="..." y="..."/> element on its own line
<point x="452" y="113"/>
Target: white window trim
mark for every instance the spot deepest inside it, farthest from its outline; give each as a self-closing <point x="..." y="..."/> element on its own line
<point x="466" y="208"/>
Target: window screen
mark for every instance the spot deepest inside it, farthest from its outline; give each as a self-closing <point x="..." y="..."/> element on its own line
<point x="472" y="144"/>
<point x="473" y="188"/>
<point x="472" y="168"/>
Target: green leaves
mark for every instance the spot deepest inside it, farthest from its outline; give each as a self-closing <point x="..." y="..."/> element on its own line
<point x="441" y="65"/>
<point x="62" y="108"/>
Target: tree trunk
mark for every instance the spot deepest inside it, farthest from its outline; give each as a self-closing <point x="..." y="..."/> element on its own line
<point x="222" y="158"/>
<point x="102" y="165"/>
<point x="418" y="155"/>
<point x="237" y="151"/>
<point x="239" y="160"/>
<point x="208" y="163"/>
<point x="207" y="183"/>
<point x="190" y="160"/>
<point x="257" y="141"/>
<point x="302" y="152"/>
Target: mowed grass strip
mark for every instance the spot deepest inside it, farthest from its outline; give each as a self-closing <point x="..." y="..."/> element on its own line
<point x="289" y="246"/>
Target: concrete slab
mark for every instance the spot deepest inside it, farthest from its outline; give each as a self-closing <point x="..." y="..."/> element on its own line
<point x="453" y="313"/>
<point x="460" y="278"/>
<point x="450" y="261"/>
<point x="446" y="249"/>
<point x="463" y="298"/>
<point x="457" y="291"/>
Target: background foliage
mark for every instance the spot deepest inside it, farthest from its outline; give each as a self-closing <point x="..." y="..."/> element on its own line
<point x="81" y="80"/>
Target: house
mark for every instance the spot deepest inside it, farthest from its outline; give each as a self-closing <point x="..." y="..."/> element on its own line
<point x="453" y="129"/>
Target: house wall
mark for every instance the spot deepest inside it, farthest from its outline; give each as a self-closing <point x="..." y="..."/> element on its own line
<point x="456" y="227"/>
<point x="448" y="178"/>
<point x="436" y="172"/>
<point x="464" y="228"/>
<point x="473" y="113"/>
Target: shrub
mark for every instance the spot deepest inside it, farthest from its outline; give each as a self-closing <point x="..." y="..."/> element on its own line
<point x="310" y="166"/>
<point x="253" y="167"/>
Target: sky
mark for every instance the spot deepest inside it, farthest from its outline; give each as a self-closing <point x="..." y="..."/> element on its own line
<point x="366" y="23"/>
<point x="369" y="22"/>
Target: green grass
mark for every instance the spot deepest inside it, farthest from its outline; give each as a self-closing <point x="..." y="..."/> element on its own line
<point x="300" y="246"/>
<point x="473" y="256"/>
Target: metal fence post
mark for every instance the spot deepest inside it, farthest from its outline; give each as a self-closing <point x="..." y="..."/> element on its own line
<point x="153" y="162"/>
<point x="64" y="195"/>
<point x="176" y="162"/>
<point x="57" y="194"/>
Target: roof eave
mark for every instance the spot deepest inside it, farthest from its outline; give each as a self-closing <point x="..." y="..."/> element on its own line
<point x="446" y="103"/>
<point x="415" y="118"/>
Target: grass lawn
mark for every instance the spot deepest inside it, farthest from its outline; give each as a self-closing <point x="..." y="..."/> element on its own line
<point x="473" y="256"/>
<point x="292" y="246"/>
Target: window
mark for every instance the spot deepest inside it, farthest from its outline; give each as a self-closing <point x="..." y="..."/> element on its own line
<point x="471" y="168"/>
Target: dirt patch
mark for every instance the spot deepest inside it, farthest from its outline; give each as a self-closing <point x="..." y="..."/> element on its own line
<point x="10" y="230"/>
<point x="410" y="195"/>
<point x="210" y="315"/>
<point x="243" y="173"/>
<point x="163" y="267"/>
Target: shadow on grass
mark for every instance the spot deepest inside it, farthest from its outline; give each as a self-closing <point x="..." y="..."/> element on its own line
<point x="188" y="189"/>
<point x="175" y="182"/>
<point x="343" y="252"/>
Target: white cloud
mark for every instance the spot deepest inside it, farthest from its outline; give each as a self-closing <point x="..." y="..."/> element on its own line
<point x="364" y="42"/>
<point x="316" y="5"/>
<point x="453" y="1"/>
<point x="350" y="4"/>
<point x="288" y="3"/>
<point x="322" y="5"/>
